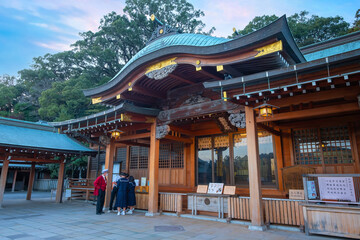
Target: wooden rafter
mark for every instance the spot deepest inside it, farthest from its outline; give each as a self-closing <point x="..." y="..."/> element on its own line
<point x="147" y="92"/>
<point x="179" y="139"/>
<point x="180" y="78"/>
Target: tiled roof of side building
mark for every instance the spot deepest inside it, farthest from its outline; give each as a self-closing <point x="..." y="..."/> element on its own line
<point x="15" y="133"/>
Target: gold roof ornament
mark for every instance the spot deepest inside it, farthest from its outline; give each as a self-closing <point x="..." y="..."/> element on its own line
<point x="271" y="48"/>
<point x="161" y="69"/>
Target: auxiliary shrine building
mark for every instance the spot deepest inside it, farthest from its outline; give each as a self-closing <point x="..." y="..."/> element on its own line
<point x="254" y="112"/>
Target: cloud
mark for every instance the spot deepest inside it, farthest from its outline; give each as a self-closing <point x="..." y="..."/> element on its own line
<point x="55" y="46"/>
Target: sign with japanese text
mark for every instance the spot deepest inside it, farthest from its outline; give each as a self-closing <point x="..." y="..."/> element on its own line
<point x="337" y="188"/>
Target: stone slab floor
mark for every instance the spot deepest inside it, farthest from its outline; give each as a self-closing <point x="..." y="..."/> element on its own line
<point x="43" y="219"/>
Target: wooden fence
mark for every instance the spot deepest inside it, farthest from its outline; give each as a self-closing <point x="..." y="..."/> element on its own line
<point x="276" y="211"/>
<point x="171" y="202"/>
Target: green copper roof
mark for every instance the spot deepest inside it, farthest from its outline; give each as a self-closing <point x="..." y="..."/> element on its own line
<point x="14" y="133"/>
<point x="183" y="39"/>
<point x="333" y="51"/>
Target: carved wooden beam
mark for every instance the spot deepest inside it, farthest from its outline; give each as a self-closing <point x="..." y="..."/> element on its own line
<point x="237" y="120"/>
<point x="200" y="109"/>
<point x="162" y="131"/>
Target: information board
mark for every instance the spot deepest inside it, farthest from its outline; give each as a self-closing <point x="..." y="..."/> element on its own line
<point x="215" y="188"/>
<point x="337" y="188"/>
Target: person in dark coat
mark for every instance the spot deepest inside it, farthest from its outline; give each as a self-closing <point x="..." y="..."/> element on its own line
<point x="121" y="198"/>
<point x="99" y="191"/>
<point x="131" y="201"/>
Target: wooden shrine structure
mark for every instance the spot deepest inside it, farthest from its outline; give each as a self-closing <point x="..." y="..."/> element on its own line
<point x="23" y="142"/>
<point x="190" y="109"/>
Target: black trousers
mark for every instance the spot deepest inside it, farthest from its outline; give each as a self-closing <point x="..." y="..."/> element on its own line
<point x="112" y="197"/>
<point x="100" y="201"/>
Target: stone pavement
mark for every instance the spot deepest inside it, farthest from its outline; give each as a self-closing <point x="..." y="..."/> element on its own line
<point x="43" y="219"/>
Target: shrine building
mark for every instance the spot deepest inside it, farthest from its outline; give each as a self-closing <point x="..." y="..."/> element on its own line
<point x="254" y="112"/>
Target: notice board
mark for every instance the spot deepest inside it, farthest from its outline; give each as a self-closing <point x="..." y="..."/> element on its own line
<point x="337" y="188"/>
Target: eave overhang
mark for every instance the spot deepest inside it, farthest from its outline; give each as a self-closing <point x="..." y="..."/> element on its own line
<point x="277" y="30"/>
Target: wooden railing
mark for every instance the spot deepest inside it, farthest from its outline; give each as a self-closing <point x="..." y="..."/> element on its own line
<point x="82" y="188"/>
<point x="276" y="211"/>
<point x="171" y="202"/>
<point x="283" y="211"/>
<point x="239" y="208"/>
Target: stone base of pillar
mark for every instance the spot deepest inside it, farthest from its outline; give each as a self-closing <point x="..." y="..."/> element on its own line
<point x="150" y="214"/>
<point x="257" y="228"/>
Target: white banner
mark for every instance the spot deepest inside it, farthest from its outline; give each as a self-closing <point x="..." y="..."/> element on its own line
<point x="337" y="188"/>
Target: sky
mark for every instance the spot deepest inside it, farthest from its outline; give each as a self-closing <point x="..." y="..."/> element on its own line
<point x="32" y="28"/>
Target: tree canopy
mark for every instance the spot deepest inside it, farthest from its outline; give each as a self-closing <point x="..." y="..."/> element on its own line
<point x="51" y="88"/>
<point x="305" y="29"/>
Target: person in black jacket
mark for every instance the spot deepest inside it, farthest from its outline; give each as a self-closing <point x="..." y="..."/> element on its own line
<point x="131" y="200"/>
<point x="121" y="198"/>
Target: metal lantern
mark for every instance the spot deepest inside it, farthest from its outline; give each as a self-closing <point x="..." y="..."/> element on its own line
<point x="116" y="133"/>
<point x="266" y="110"/>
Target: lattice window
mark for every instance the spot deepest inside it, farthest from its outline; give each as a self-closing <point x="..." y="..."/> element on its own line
<point x="315" y="145"/>
<point x="143" y="157"/>
<point x="177" y="155"/>
<point x="164" y="155"/>
<point x="139" y="157"/>
<point x="121" y="157"/>
<point x="306" y="143"/>
<point x="336" y="146"/>
<point x="171" y="155"/>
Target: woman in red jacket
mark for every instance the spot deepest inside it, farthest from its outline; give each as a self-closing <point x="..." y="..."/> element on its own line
<point x="100" y="187"/>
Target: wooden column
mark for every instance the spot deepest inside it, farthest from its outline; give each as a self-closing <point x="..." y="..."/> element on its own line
<point x="153" y="173"/>
<point x="31" y="181"/>
<point x="109" y="164"/>
<point x="60" y="183"/>
<point x="256" y="210"/>
<point x="14" y="181"/>
<point x="279" y="160"/>
<point x="3" y="178"/>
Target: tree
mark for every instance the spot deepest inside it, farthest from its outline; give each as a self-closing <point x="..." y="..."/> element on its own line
<point x="356" y="24"/>
<point x="306" y="30"/>
<point x="99" y="56"/>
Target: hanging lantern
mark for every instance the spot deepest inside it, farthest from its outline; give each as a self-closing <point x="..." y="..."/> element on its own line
<point x="116" y="133"/>
<point x="266" y="110"/>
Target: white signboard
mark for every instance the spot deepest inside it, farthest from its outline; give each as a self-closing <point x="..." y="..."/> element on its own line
<point x="337" y="188"/>
<point x="215" y="188"/>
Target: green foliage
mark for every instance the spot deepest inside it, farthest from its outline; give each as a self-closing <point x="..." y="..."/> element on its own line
<point x="52" y="88"/>
<point x="306" y="30"/>
<point x="72" y="163"/>
<point x="356" y="24"/>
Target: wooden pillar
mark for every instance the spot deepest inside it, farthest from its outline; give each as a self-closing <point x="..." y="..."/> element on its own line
<point x="193" y="161"/>
<point x="109" y="164"/>
<point x="279" y="160"/>
<point x="256" y="210"/>
<point x="60" y="183"/>
<point x="14" y="181"/>
<point x="3" y="178"/>
<point x="153" y="173"/>
<point x="31" y="181"/>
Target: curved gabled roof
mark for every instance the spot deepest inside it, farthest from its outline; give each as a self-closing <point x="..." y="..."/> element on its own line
<point x="197" y="44"/>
